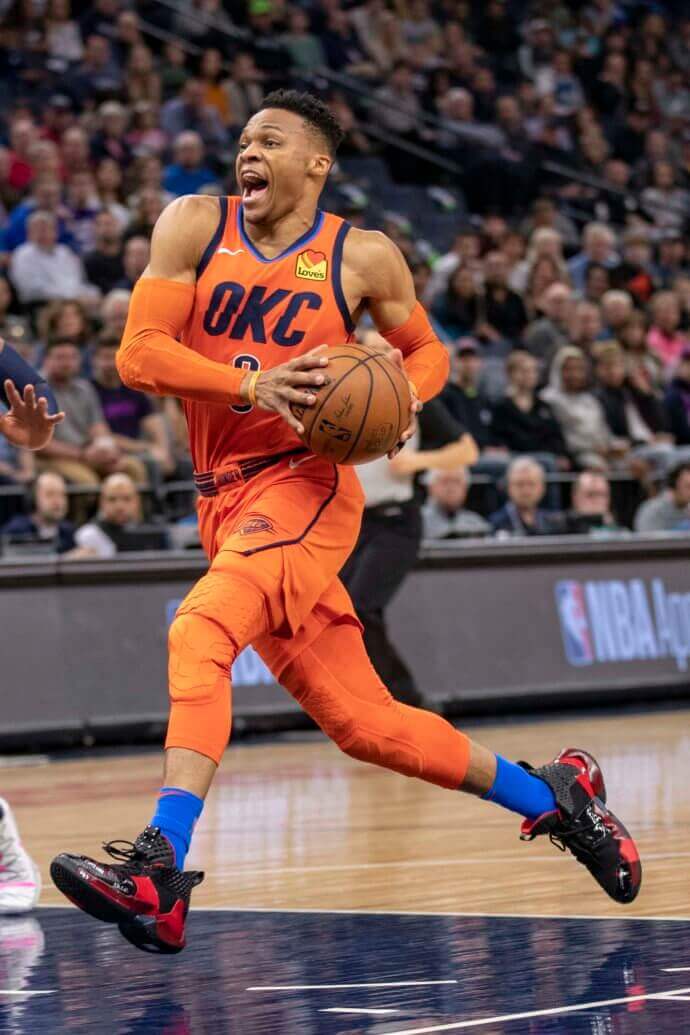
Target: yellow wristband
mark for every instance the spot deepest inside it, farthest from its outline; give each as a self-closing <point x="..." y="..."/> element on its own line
<point x="251" y="387"/>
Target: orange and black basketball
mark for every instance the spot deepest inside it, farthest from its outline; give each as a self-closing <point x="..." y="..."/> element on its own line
<point x="362" y="411"/>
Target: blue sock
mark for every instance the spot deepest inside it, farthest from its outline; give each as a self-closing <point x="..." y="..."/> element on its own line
<point x="176" y="813"/>
<point x="516" y="789"/>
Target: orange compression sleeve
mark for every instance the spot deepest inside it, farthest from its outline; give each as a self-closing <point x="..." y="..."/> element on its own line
<point x="426" y="359"/>
<point x="151" y="359"/>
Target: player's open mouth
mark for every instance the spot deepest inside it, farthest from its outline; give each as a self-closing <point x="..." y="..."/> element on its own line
<point x="254" y="187"/>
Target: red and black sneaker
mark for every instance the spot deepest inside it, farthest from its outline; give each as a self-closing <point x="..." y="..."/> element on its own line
<point x="583" y="824"/>
<point x="144" y="894"/>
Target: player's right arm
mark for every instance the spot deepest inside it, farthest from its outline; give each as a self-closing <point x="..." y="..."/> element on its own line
<point x="152" y="359"/>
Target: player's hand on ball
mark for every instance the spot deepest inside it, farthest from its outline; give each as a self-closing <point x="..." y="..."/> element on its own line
<point x="27" y="423"/>
<point x="277" y="388"/>
<point x="395" y="356"/>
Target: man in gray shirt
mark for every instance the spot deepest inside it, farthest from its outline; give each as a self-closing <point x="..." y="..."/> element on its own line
<point x="444" y="515"/>
<point x="670" y="510"/>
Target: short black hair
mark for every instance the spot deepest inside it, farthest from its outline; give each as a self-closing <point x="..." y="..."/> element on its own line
<point x="674" y="474"/>
<point x="312" y="110"/>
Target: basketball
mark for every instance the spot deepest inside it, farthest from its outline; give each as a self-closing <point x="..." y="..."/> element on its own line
<point x="362" y="411"/>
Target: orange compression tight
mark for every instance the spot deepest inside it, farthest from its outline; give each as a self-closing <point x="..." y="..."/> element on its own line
<point x="336" y="684"/>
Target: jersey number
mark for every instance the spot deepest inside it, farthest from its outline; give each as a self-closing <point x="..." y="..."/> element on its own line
<point x="245" y="362"/>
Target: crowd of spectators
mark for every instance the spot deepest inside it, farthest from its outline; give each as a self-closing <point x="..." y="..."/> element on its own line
<point x="562" y="291"/>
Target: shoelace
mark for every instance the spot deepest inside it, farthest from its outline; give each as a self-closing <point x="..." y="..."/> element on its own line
<point x="581" y="829"/>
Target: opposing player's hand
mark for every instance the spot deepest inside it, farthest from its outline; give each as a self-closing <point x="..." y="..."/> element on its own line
<point x="395" y="356"/>
<point x="27" y="423"/>
<point x="277" y="388"/>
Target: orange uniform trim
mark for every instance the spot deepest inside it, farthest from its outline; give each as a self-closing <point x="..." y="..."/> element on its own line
<point x="426" y="359"/>
<point x="151" y="359"/>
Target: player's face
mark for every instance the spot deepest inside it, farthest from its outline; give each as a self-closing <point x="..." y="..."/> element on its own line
<point x="278" y="157"/>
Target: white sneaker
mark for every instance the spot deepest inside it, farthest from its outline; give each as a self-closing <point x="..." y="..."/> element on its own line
<point x="20" y="880"/>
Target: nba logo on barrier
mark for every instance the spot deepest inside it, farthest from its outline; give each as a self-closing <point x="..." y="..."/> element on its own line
<point x="570" y="600"/>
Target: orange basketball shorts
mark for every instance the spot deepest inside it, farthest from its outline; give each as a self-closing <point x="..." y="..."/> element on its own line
<point x="276" y="544"/>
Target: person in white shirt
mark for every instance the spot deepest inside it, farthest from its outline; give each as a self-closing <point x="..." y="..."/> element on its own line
<point x="41" y="269"/>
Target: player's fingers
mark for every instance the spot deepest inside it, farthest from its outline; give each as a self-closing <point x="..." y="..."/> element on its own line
<point x="307" y="377"/>
<point x="309" y="360"/>
<point x="303" y="398"/>
<point x="56" y="418"/>
<point x="13" y="396"/>
<point x="42" y="407"/>
<point x="289" y="416"/>
<point x="30" y="397"/>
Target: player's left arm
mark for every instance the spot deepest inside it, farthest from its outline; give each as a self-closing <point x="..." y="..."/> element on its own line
<point x="387" y="289"/>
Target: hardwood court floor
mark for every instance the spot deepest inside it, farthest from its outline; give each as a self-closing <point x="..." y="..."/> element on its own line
<point x="298" y="825"/>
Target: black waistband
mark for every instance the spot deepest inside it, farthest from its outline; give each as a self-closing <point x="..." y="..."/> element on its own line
<point x="210" y="483"/>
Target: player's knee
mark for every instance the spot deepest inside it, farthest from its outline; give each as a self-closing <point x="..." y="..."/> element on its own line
<point x="200" y="657"/>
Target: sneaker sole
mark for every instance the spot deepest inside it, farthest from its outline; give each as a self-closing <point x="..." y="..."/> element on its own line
<point x="139" y="930"/>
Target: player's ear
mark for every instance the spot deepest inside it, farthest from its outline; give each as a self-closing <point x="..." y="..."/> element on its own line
<point x="321" y="165"/>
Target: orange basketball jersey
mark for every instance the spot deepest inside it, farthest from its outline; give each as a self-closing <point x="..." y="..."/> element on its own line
<point x="255" y="313"/>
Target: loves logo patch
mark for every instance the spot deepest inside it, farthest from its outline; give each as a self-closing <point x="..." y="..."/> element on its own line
<point x="311" y="265"/>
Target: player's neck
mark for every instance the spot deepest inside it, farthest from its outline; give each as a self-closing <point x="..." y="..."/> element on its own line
<point x="273" y="236"/>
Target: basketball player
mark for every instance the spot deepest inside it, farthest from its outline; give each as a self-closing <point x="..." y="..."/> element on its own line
<point x="229" y="316"/>
<point x="28" y="424"/>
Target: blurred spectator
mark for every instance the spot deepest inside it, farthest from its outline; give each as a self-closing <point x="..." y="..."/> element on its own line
<point x="103" y="264"/>
<point x="82" y="449"/>
<point x="672" y="260"/>
<point x="143" y="82"/>
<point x="502" y="315"/>
<point x="23" y="136"/>
<point x="664" y="337"/>
<point x="597" y="283"/>
<point x="13" y="328"/>
<point x="118" y="526"/>
<point x="544" y="243"/>
<point x="578" y="411"/>
<point x="114" y="311"/>
<point x="244" y="88"/>
<point x="677" y="400"/>
<point x="188" y="174"/>
<point x="671" y="508"/>
<point x="174" y="73"/>
<point x="148" y="174"/>
<point x="398" y="108"/>
<point x="585" y="326"/>
<point x="444" y="515"/>
<point x="110" y="141"/>
<point x="210" y="74"/>
<point x="138" y="429"/>
<point x="633" y="411"/>
<point x="189" y="113"/>
<point x="462" y="395"/>
<point x="47" y="523"/>
<point x="67" y="320"/>
<point x="458" y="309"/>
<point x="545" y="335"/>
<point x="522" y="515"/>
<point x="304" y="48"/>
<point x="45" y="196"/>
<point x="75" y="151"/>
<point x="145" y="136"/>
<point x="98" y="76"/>
<point x="667" y="204"/>
<point x="42" y="269"/>
<point x="109" y="180"/>
<point x="135" y="259"/>
<point x="464" y="251"/>
<point x="635" y="273"/>
<point x="598" y="245"/>
<point x="616" y="309"/>
<point x="83" y="206"/>
<point x="524" y="423"/>
<point x="145" y="214"/>
<point x="592" y="499"/>
<point x="63" y="38"/>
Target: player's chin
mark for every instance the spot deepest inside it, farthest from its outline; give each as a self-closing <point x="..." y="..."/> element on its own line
<point x="258" y="204"/>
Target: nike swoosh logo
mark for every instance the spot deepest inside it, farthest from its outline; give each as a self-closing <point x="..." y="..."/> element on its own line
<point x="300" y="460"/>
<point x="227" y="251"/>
